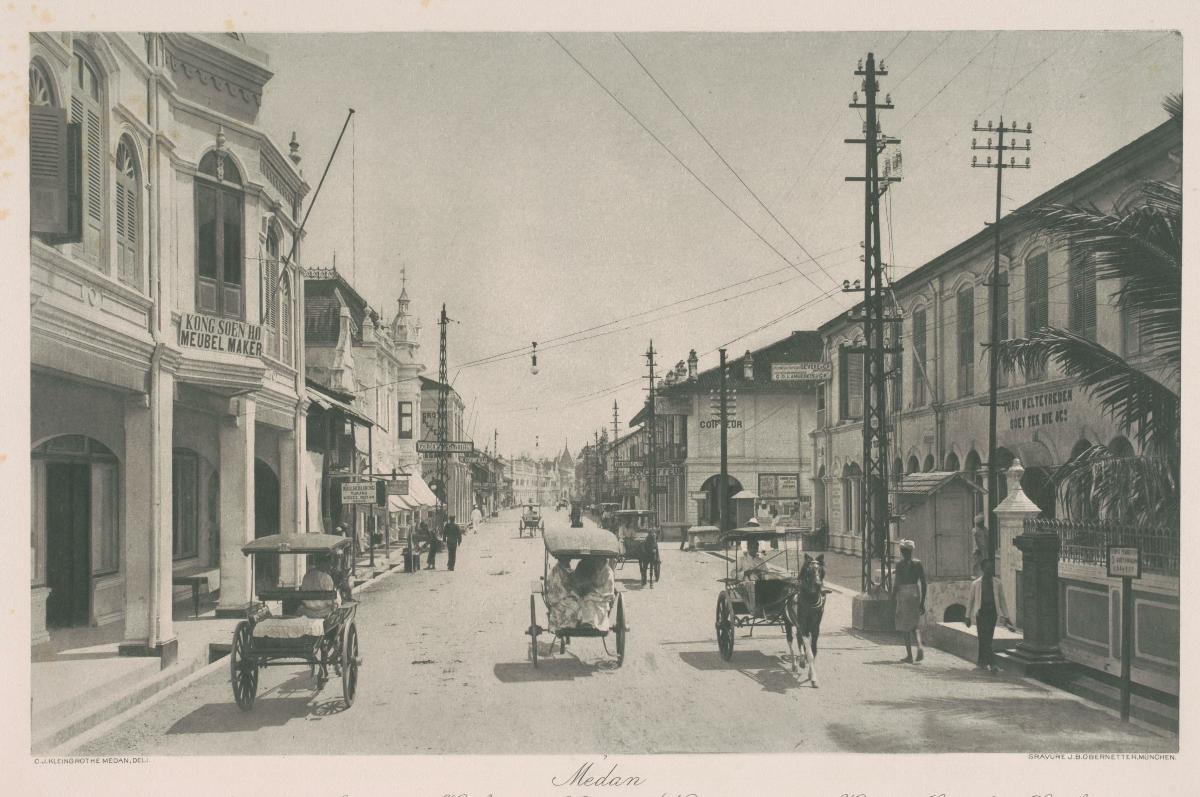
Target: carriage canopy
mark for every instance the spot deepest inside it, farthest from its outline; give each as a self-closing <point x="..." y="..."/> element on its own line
<point x="581" y="542"/>
<point x="296" y="543"/>
<point x="747" y="533"/>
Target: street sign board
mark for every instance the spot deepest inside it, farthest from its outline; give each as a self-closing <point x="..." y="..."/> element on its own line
<point x="358" y="493"/>
<point x="1124" y="561"/>
<point x="801" y="372"/>
<point x="452" y="447"/>
<point x="627" y="463"/>
<point x="397" y="486"/>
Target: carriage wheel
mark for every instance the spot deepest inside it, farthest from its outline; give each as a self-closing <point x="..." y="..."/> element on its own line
<point x="350" y="662"/>
<point x="620" y="631"/>
<point x="243" y="669"/>
<point x="533" y="629"/>
<point x="724" y="627"/>
<point x="657" y="569"/>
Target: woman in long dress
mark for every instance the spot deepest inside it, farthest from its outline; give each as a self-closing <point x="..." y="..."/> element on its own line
<point x="909" y="589"/>
<point x="562" y="603"/>
<point x="596" y="587"/>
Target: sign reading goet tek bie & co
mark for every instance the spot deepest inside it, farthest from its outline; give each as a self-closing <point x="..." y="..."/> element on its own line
<point x="220" y="334"/>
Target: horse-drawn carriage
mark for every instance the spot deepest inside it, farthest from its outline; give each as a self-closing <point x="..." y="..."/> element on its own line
<point x="781" y="587"/>
<point x="637" y="531"/>
<point x="604" y="515"/>
<point x="531" y="521"/>
<point x="316" y="623"/>
<point x="572" y="544"/>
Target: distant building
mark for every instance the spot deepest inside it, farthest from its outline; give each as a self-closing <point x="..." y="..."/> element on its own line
<point x="458" y="491"/>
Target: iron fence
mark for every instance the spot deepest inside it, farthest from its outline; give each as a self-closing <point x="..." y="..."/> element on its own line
<point x="1086" y="543"/>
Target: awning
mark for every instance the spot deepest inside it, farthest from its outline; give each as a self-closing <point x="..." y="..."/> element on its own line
<point x="419" y="493"/>
<point x="399" y="503"/>
<point x="743" y="495"/>
<point x="329" y="403"/>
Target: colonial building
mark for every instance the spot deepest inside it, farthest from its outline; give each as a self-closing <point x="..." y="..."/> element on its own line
<point x="937" y="406"/>
<point x="772" y="400"/>
<point x="350" y="349"/>
<point x="168" y="397"/>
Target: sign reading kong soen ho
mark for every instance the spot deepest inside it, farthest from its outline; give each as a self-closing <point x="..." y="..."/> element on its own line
<point x="220" y="334"/>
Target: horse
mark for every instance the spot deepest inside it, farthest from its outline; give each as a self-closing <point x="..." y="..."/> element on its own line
<point x="805" y="607"/>
<point x="649" y="562"/>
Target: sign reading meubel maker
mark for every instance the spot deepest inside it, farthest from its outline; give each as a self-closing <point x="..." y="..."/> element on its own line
<point x="220" y="334"/>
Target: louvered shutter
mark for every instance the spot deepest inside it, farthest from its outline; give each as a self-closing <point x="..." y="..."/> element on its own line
<point x="49" y="184"/>
<point x="854" y="384"/>
<point x="919" y="364"/>
<point x="1037" y="302"/>
<point x="1083" y="299"/>
<point x="966" y="341"/>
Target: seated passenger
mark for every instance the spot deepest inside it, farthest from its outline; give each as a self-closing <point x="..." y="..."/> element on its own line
<point x="753" y="564"/>
<point x="318" y="579"/>
<point x="562" y="603"/>
<point x="596" y="586"/>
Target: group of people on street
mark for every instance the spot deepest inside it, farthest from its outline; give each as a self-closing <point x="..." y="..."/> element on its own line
<point x="985" y="607"/>
<point x="580" y="596"/>
<point x="450" y="536"/>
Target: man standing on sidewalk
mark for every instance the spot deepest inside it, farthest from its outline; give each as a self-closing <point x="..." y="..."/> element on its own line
<point x="476" y="519"/>
<point x="452" y="534"/>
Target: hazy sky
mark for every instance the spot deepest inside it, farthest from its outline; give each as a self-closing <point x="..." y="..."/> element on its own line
<point x="518" y="192"/>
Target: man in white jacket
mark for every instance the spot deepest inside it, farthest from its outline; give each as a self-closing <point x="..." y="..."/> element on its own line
<point x="987" y="605"/>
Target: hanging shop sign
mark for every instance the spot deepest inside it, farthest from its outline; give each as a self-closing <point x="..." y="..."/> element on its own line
<point x="397" y="486"/>
<point x="452" y="447"/>
<point x="358" y="493"/>
<point x="801" y="372"/>
<point x="1124" y="561"/>
<point x="210" y="333"/>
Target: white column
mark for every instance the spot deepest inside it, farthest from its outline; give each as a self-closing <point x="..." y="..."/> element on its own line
<point x="1011" y="514"/>
<point x="290" y="511"/>
<point x="137" y="522"/>
<point x="237" y="504"/>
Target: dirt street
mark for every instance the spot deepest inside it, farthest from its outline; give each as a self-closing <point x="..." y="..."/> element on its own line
<point x="447" y="670"/>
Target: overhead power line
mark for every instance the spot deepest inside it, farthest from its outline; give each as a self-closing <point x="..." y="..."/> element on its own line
<point x="680" y="161"/>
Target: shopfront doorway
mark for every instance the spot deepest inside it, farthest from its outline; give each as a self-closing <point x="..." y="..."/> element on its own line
<point x="266" y="518"/>
<point x="711" y="487"/>
<point x="68" y="544"/>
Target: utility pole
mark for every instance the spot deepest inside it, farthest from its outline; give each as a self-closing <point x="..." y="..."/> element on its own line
<point x="652" y="438"/>
<point x="995" y="334"/>
<point x="616" y="427"/>
<point x="876" y="512"/>
<point x="723" y="418"/>
<point x="442" y="423"/>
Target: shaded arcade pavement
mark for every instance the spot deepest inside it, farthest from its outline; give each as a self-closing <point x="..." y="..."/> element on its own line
<point x="447" y="670"/>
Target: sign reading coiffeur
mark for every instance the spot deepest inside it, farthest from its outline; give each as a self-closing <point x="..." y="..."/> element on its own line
<point x="220" y="334"/>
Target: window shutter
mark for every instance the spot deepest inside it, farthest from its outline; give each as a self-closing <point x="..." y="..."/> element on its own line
<point x="919" y="363"/>
<point x="49" y="185"/>
<point x="966" y="341"/>
<point x="95" y="158"/>
<point x="854" y="384"/>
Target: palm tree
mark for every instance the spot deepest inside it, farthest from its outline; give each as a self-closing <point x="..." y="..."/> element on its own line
<point x="1142" y="247"/>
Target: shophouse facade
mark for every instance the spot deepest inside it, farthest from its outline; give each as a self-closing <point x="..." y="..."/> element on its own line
<point x="374" y="365"/>
<point x="168" y="398"/>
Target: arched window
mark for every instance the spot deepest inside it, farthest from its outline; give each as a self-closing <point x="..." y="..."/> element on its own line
<point x="951" y="462"/>
<point x="86" y="112"/>
<point x="965" y="309"/>
<point x="1081" y="278"/>
<point x="269" y="292"/>
<point x="919" y="357"/>
<point x="929" y="463"/>
<point x="913" y="465"/>
<point x="285" y="320"/>
<point x="41" y="87"/>
<point x="129" y="261"/>
<point x="219" y="286"/>
<point x="1037" y="300"/>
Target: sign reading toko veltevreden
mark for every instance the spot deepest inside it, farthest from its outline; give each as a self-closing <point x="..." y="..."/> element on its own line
<point x="220" y="334"/>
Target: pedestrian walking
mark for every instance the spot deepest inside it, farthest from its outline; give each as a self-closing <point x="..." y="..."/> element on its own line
<point x="476" y="519"/>
<point x="452" y="534"/>
<point x="909" y="590"/>
<point x="431" y="540"/>
<point x="979" y="544"/>
<point x="986" y="606"/>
